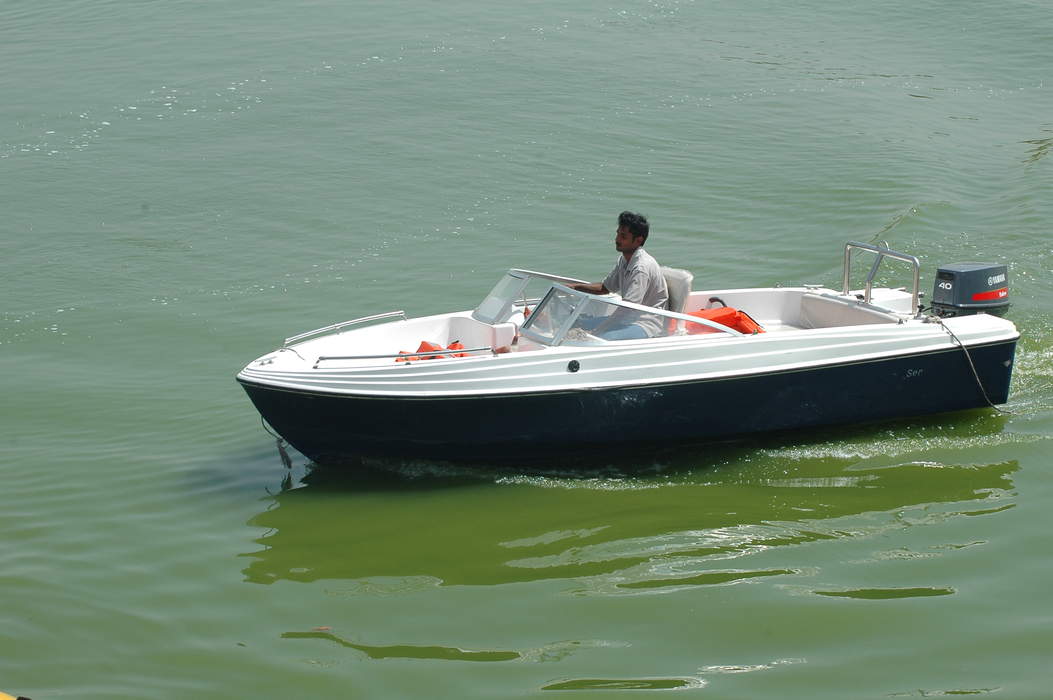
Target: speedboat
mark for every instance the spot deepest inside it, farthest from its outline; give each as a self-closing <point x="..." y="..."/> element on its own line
<point x="528" y="371"/>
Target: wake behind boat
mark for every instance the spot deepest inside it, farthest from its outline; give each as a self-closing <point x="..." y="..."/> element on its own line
<point x="527" y="372"/>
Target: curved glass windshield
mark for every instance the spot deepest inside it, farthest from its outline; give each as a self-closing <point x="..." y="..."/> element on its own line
<point x="497" y="306"/>
<point x="566" y="316"/>
<point x="515" y="290"/>
<point x="555" y="312"/>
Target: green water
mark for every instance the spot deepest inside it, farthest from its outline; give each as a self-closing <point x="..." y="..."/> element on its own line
<point x="186" y="183"/>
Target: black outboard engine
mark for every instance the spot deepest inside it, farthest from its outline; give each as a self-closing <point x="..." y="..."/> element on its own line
<point x="968" y="288"/>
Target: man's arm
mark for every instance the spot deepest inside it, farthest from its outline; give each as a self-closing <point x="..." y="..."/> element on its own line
<point x="591" y="288"/>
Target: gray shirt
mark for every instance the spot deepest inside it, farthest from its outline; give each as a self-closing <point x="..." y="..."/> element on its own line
<point x="639" y="280"/>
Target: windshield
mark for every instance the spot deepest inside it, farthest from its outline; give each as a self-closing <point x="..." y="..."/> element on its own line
<point x="516" y="289"/>
<point x="577" y="318"/>
<point x="556" y="311"/>
<point x="497" y="306"/>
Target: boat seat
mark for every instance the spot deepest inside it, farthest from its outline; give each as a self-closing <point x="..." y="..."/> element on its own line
<point x="678" y="286"/>
<point x="478" y="334"/>
<point x="821" y="311"/>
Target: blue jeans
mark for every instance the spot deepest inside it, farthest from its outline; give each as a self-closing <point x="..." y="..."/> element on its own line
<point x="615" y="332"/>
<point x="630" y="332"/>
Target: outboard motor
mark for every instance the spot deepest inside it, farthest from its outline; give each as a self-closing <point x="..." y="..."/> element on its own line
<point x="962" y="289"/>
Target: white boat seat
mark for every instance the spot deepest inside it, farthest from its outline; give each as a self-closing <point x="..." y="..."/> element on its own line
<point x="477" y="334"/>
<point x="821" y="311"/>
<point x="678" y="286"/>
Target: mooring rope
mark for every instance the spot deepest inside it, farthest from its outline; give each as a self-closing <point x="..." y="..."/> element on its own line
<point x="280" y="441"/>
<point x="969" y="359"/>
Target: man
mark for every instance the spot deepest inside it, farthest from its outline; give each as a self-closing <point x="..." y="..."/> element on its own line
<point x="637" y="277"/>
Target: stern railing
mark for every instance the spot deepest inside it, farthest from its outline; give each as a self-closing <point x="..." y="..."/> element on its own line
<point x="882" y="252"/>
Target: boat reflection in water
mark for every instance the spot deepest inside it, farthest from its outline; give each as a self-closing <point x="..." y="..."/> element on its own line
<point x="616" y="535"/>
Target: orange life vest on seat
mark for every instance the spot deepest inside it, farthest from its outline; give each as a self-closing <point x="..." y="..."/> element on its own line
<point x="457" y="345"/>
<point x="726" y="316"/>
<point x="425" y="346"/>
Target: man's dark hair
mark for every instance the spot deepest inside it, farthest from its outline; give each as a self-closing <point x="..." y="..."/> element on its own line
<point x="636" y="223"/>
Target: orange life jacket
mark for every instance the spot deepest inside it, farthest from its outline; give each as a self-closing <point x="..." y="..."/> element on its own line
<point x="457" y="345"/>
<point x="425" y="346"/>
<point x="726" y="316"/>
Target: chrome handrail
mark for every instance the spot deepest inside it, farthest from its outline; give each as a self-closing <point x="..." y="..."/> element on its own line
<point x="410" y="356"/>
<point x="882" y="253"/>
<point x="337" y="326"/>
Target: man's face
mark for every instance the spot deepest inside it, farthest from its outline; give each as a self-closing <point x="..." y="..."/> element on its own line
<point x="625" y="242"/>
